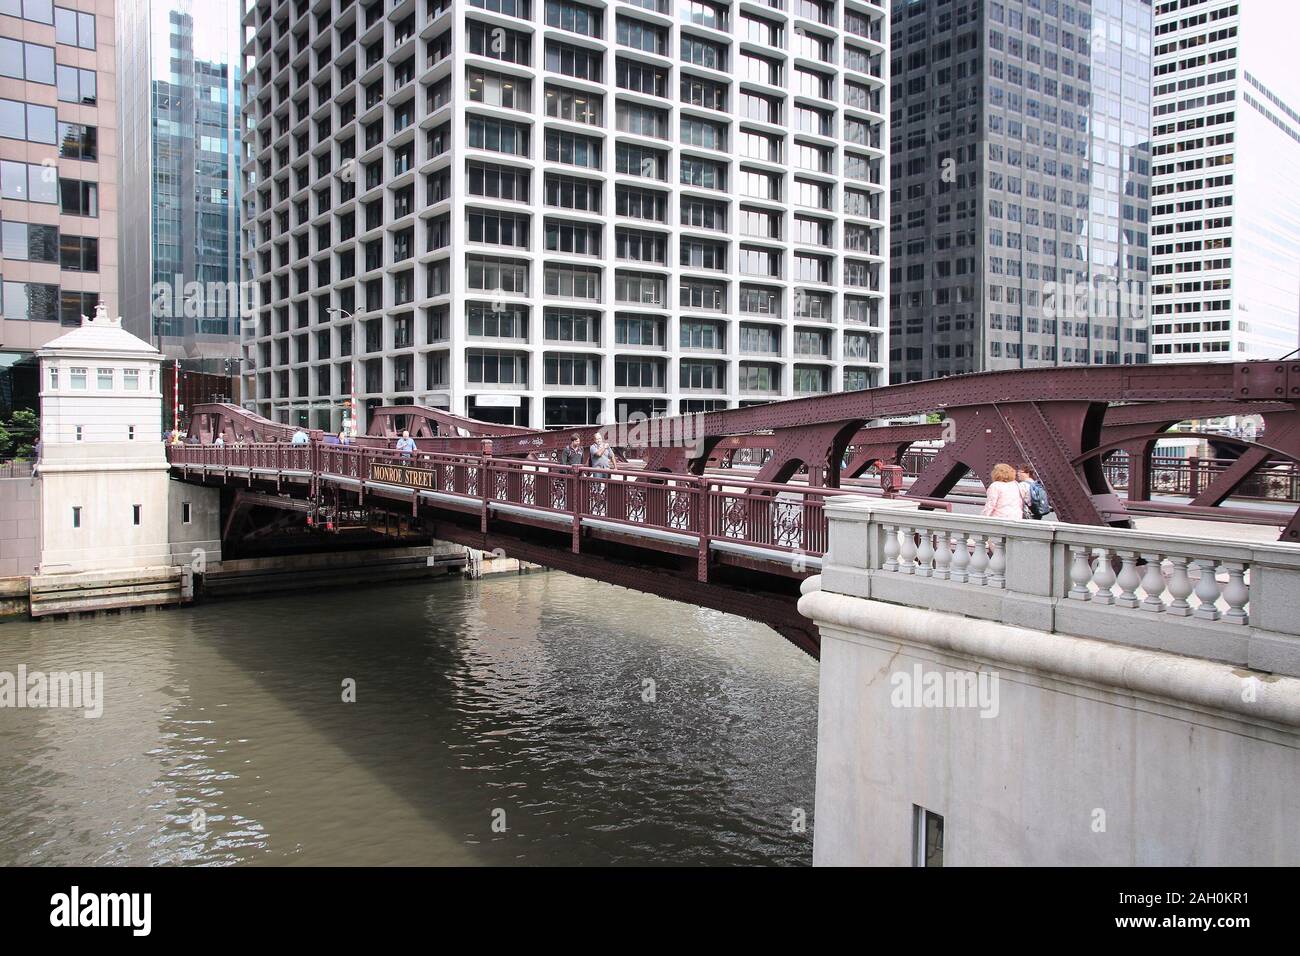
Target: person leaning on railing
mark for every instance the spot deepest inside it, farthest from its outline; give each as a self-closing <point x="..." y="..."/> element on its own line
<point x="572" y="452"/>
<point x="602" y="455"/>
<point x="406" y="444"/>
<point x="1003" y="499"/>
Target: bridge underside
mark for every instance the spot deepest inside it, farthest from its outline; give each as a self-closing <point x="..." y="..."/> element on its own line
<point x="762" y="590"/>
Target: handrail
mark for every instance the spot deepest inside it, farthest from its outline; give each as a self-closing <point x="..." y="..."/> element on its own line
<point x="707" y="509"/>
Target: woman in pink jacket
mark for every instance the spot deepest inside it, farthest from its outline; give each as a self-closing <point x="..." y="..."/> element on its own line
<point x="1004" y="499"/>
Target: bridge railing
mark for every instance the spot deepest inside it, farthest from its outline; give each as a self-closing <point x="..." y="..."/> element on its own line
<point x="1277" y="481"/>
<point x="268" y="456"/>
<point x="1201" y="597"/>
<point x="770" y="517"/>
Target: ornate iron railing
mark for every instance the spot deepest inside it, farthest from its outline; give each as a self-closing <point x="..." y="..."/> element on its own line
<point x="780" y="518"/>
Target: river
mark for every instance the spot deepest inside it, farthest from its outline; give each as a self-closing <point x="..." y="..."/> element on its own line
<point x="521" y="719"/>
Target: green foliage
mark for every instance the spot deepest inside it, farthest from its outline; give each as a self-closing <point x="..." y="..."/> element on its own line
<point x="18" y="434"/>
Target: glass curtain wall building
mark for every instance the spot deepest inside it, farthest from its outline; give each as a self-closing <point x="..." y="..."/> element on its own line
<point x="1226" y="213"/>
<point x="555" y="213"/>
<point x="1020" y="184"/>
<point x="58" y="178"/>
<point x="181" y="129"/>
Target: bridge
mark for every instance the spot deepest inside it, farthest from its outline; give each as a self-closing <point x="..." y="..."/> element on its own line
<point x="680" y="514"/>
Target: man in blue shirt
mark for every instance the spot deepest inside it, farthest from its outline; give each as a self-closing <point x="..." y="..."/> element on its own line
<point x="406" y="444"/>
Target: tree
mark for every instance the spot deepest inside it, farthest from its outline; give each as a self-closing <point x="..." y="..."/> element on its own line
<point x="18" y="435"/>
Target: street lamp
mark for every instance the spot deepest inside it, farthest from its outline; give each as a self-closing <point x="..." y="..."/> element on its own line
<point x="352" y="372"/>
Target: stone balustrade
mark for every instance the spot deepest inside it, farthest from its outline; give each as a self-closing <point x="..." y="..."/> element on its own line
<point x="1208" y="598"/>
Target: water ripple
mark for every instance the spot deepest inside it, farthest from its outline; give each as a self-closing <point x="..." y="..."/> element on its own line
<point x="597" y="725"/>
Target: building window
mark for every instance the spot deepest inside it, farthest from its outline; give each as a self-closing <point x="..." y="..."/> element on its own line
<point x="29" y="182"/>
<point x="78" y="377"/>
<point x="77" y="141"/>
<point x="78" y="433"/>
<point x="76" y="85"/>
<point x="76" y="516"/>
<point x="26" y="61"/>
<point x="135" y="514"/>
<point x="130" y="433"/>
<point x="54" y="376"/>
<point x="574" y="17"/>
<point x="131" y="379"/>
<point x="927" y="838"/>
<point x="27" y="121"/>
<point x="104" y="378"/>
<point x="74" y="28"/>
<point x="185" y="512"/>
<point x="77" y="198"/>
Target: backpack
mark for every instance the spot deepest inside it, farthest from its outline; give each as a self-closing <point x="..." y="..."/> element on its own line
<point x="1038" y="503"/>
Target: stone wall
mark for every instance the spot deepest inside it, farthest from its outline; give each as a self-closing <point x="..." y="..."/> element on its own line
<point x="20" y="514"/>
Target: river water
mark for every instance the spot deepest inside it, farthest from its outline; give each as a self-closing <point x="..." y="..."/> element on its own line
<point x="535" y="719"/>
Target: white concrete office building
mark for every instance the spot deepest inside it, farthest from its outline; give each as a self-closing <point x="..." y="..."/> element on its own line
<point x="1225" y="205"/>
<point x="554" y="213"/>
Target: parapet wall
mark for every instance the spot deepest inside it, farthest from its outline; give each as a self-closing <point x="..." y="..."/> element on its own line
<point x="1036" y="745"/>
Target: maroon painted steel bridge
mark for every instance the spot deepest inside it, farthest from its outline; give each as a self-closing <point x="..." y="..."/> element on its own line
<point x="742" y="544"/>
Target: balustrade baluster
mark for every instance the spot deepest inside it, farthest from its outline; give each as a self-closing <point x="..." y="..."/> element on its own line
<point x="925" y="555"/>
<point x="1153" y="583"/>
<point x="1207" y="590"/>
<point x="1080" y="574"/>
<point x="890" y="548"/>
<point x="1128" y="580"/>
<point x="942" y="555"/>
<point x="1103" y="575"/>
<point x="1180" y="587"/>
<point x="960" y="556"/>
<point x="998" y="563"/>
<point x="1236" y="592"/>
<point x="907" y="553"/>
<point x="979" y="560"/>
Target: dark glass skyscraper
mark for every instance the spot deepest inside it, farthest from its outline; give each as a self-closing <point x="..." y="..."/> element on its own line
<point x="181" y="114"/>
<point x="1020" y="184"/>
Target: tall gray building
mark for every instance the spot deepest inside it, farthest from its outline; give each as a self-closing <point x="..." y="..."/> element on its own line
<point x="179" y="93"/>
<point x="1020" y="184"/>
<point x="555" y="213"/>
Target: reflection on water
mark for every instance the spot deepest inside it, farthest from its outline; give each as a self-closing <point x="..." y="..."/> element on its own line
<point x="520" y="700"/>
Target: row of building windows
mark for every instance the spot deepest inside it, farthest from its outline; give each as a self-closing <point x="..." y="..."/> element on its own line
<point x="105" y="379"/>
<point x="70" y="26"/>
<point x="41" y="302"/>
<point x="34" y="242"/>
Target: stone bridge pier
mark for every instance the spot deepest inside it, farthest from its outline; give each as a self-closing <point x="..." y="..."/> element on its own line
<point x="1028" y="693"/>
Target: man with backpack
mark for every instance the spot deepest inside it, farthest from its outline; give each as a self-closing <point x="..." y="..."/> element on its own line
<point x="1033" y="494"/>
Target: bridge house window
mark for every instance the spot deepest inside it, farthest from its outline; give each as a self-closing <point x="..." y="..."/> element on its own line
<point x="76" y="516"/>
<point x="927" y="837"/>
<point x="104" y="378"/>
<point x="78" y="377"/>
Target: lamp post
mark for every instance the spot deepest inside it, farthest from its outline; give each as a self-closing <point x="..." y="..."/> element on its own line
<point x="352" y="371"/>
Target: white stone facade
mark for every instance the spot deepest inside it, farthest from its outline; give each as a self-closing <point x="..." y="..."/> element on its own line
<point x="543" y="211"/>
<point x="103" y="465"/>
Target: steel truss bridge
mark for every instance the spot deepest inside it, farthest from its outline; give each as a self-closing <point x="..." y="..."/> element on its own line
<point x="688" y="525"/>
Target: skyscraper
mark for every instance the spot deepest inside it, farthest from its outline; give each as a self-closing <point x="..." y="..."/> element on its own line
<point x="1020" y="173"/>
<point x="180" y="217"/>
<point x="552" y="213"/>
<point x="58" y="178"/>
<point x="1225" y="217"/>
